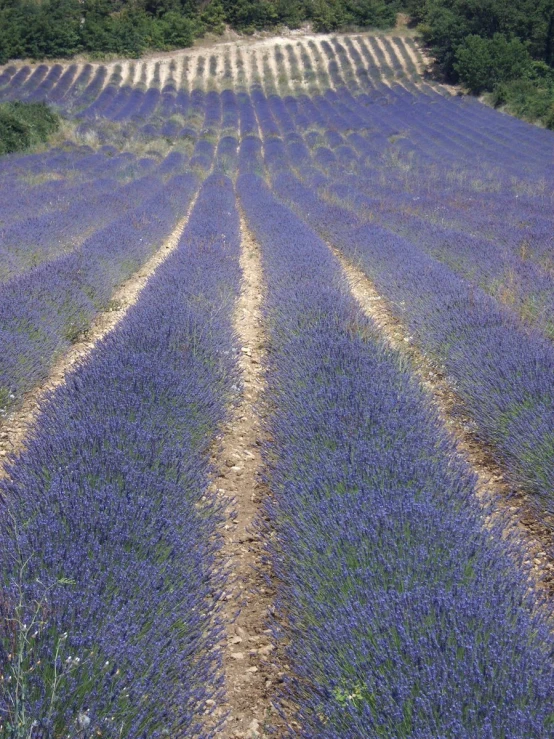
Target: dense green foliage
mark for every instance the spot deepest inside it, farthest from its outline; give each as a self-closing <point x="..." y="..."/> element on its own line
<point x="482" y="62"/>
<point x="62" y="28"/>
<point x="531" y="97"/>
<point x="505" y="47"/>
<point x="24" y="124"/>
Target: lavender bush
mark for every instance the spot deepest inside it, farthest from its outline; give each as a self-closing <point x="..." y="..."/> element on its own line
<point x="502" y="373"/>
<point x="44" y="310"/>
<point x="404" y="616"/>
<point x="107" y="508"/>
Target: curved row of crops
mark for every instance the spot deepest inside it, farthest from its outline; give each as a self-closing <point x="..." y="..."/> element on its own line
<point x="404" y="614"/>
<point x="403" y="611"/>
<point x="301" y="64"/>
<point x="107" y="540"/>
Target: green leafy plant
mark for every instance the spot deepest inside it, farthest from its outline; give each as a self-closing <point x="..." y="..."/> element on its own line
<point x="25" y="124"/>
<point x="482" y="63"/>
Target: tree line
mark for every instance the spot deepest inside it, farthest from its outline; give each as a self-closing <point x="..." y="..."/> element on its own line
<point x="50" y="29"/>
<point x="504" y="48"/>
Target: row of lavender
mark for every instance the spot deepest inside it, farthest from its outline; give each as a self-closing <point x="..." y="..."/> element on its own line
<point x="355" y="169"/>
<point x="107" y="615"/>
<point x="300" y="64"/>
<point x="380" y="652"/>
<point x="411" y="200"/>
<point x="352" y="170"/>
<point x="512" y="261"/>
<point x="45" y="308"/>
<point x="501" y="369"/>
<point x="403" y="616"/>
<point x="502" y="372"/>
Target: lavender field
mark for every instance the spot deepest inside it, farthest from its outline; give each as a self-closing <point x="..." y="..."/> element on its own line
<point x="253" y="503"/>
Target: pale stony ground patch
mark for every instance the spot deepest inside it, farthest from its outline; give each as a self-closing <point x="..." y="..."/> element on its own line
<point x="190" y="68"/>
<point x="251" y="670"/>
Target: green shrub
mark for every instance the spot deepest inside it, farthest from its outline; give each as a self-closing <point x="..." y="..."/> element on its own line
<point x="482" y="63"/>
<point x="213" y="17"/>
<point x="503" y="47"/>
<point x="245" y="15"/>
<point x="14" y="134"/>
<point x="373" y="13"/>
<point x="25" y="124"/>
<point x="446" y="24"/>
<point x="330" y="15"/>
<point x="177" y="30"/>
<point x="531" y="98"/>
<point x="327" y="15"/>
<point x="290" y="12"/>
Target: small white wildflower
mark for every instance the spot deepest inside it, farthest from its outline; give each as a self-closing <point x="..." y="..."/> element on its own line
<point x="83" y="720"/>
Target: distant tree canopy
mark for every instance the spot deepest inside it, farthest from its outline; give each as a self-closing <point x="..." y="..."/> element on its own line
<point x="447" y="24"/>
<point x="483" y="62"/>
<point x="505" y="47"/>
<point x="41" y="29"/>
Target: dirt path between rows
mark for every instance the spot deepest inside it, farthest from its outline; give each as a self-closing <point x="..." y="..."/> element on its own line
<point x="159" y="66"/>
<point x="250" y="669"/>
<point x="518" y="518"/>
<point x="17" y="425"/>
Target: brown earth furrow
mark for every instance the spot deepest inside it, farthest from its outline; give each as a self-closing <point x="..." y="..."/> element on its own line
<point x="17" y="425"/>
<point x="143" y="73"/>
<point x="409" y="51"/>
<point x="350" y="72"/>
<point x="316" y="55"/>
<point x="323" y="62"/>
<point x="250" y="667"/>
<point x="378" y="42"/>
<point x="129" y="74"/>
<point x="500" y="500"/>
<point x="419" y="58"/>
<point x="165" y="74"/>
